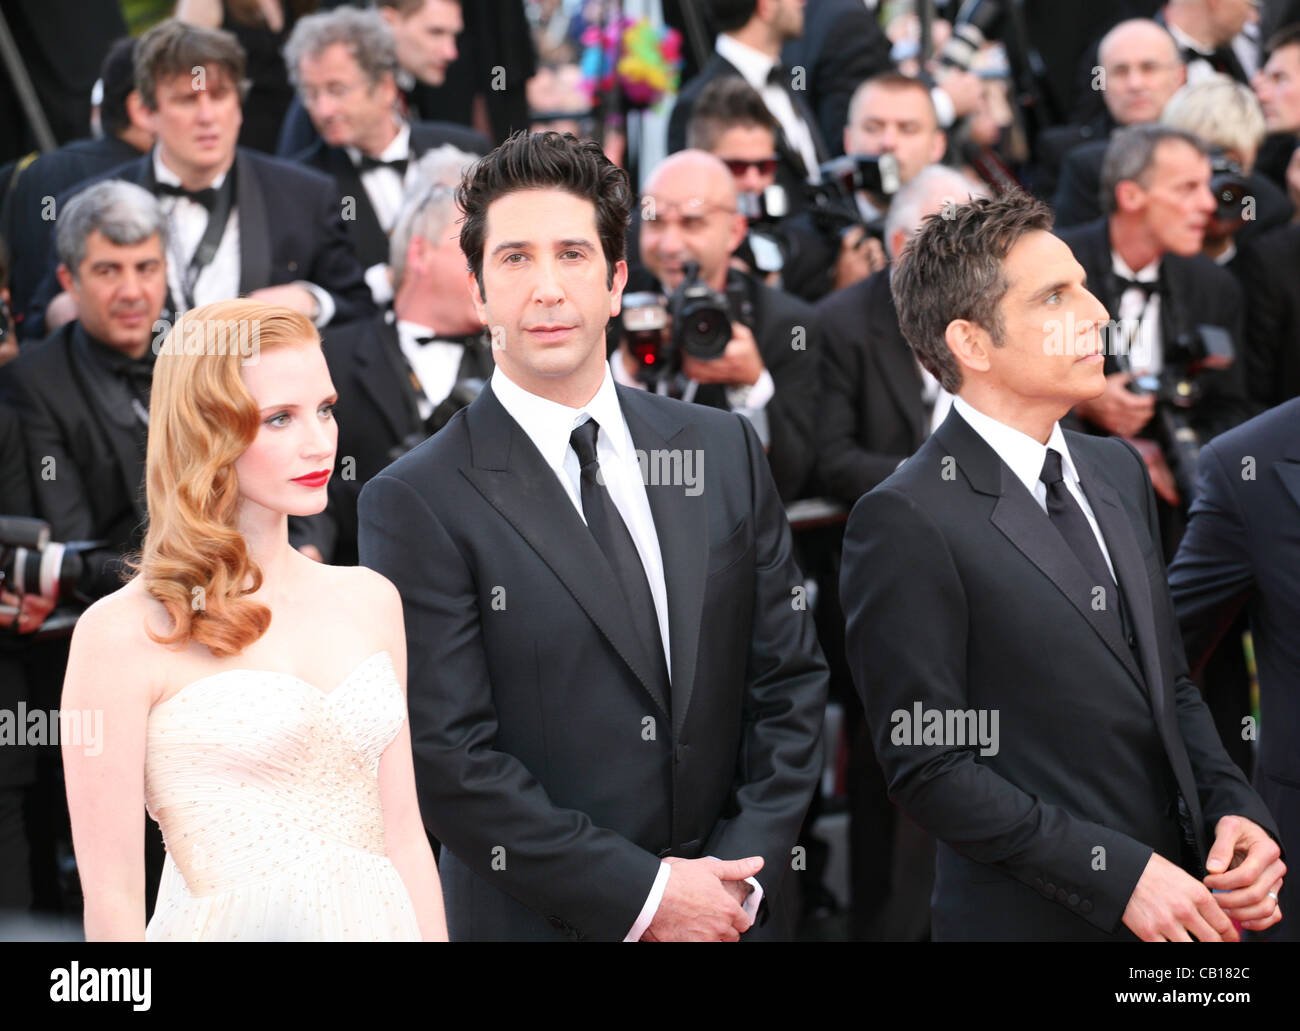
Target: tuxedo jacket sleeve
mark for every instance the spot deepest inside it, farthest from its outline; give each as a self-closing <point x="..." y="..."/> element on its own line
<point x="784" y="323"/>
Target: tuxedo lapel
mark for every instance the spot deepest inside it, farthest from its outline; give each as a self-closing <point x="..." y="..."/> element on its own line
<point x="1020" y="519"/>
<point x="377" y="375"/>
<point x="254" y="227"/>
<point x="682" y="526"/>
<point x="367" y="234"/>
<point x="510" y="473"/>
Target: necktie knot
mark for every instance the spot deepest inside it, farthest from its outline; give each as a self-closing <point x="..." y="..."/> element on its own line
<point x="398" y="165"/>
<point x="1052" y="472"/>
<point x="776" y="77"/>
<point x="583" y="441"/>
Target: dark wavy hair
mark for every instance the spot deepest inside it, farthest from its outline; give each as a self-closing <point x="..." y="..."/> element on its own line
<point x="546" y="160"/>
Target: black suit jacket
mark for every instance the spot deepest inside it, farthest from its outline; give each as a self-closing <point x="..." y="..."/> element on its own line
<point x="547" y="761"/>
<point x="376" y="413"/>
<point x="1199" y="293"/>
<point x="1270" y="358"/>
<point x="842" y="46"/>
<point x="368" y="238"/>
<point x="961" y="595"/>
<point x="85" y="449"/>
<point x="290" y="228"/>
<point x="791" y="173"/>
<point x="871" y="415"/>
<point x="1242" y="551"/>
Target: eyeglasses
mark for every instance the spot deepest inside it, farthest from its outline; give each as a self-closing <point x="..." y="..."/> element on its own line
<point x="739" y="166"/>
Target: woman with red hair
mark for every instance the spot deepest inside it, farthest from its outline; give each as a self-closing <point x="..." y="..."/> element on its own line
<point x="252" y="700"/>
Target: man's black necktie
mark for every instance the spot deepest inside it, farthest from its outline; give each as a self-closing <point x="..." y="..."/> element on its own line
<point x="398" y="165"/>
<point x="616" y="542"/>
<point x="207" y="196"/>
<point x="1068" y="518"/>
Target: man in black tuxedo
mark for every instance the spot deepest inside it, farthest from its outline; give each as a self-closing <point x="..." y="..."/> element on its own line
<point x="841" y="46"/>
<point x="401" y="375"/>
<point x="1278" y="88"/>
<point x="1140" y="69"/>
<point x="876" y="399"/>
<point x="1241" y="553"/>
<point x="83" y="393"/>
<point x="241" y="223"/>
<point x="344" y="65"/>
<point x="1144" y="263"/>
<point x="751" y="34"/>
<point x="615" y="707"/>
<point x="1269" y="270"/>
<point x="768" y="371"/>
<point x="1204" y="31"/>
<point x="1012" y="636"/>
<point x="125" y="137"/>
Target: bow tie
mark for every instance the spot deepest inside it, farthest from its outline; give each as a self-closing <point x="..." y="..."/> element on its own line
<point x="207" y="196"/>
<point x="1148" y="287"/>
<point x="398" y="165"/>
<point x="469" y="339"/>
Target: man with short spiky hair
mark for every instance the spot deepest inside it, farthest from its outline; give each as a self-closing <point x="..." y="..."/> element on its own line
<point x="1012" y="636"/>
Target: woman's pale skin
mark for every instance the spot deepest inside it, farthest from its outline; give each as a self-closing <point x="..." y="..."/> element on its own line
<point x="114" y="666"/>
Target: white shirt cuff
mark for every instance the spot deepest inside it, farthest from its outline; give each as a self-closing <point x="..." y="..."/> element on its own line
<point x="381" y="287"/>
<point x="651" y="904"/>
<point x="751" y="403"/>
<point x="323" y="299"/>
<point x="944" y="108"/>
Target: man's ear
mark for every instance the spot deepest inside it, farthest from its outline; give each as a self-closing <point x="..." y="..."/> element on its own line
<point x="970" y="345"/>
<point x="616" y="288"/>
<point x="940" y="147"/>
<point x="739" y="227"/>
<point x="1129" y="196"/>
<point x="65" y="277"/>
<point x="476" y="295"/>
<point x="137" y="114"/>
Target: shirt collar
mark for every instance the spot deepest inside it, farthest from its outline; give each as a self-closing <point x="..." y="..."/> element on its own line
<point x="408" y="331"/>
<point x="753" y="65"/>
<point x="398" y="150"/>
<point x="1021" y="452"/>
<point x="1146" y="274"/>
<point x="163" y="174"/>
<point x="549" y="424"/>
<point x="1187" y="43"/>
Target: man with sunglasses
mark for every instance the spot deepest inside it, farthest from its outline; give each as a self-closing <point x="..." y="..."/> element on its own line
<point x="768" y="371"/>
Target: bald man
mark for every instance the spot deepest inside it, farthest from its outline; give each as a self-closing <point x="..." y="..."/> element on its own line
<point x="768" y="371"/>
<point x="1138" y="69"/>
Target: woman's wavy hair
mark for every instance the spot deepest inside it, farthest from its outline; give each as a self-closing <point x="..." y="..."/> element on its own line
<point x="202" y="418"/>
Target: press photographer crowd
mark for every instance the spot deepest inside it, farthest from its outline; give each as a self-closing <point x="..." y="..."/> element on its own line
<point x="957" y="345"/>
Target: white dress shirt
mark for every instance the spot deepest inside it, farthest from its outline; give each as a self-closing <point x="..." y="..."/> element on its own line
<point x="435" y="364"/>
<point x="548" y="425"/>
<point x="1139" y="317"/>
<point x="187" y="222"/>
<point x="754" y="66"/>
<point x="1025" y="457"/>
<point x="386" y="189"/>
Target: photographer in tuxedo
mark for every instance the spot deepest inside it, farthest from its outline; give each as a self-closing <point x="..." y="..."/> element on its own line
<point x="615" y="707"/>
<point x="1012" y="635"/>
<point x="241" y="224"/>
<point x="768" y="370"/>
<point x="401" y="375"/>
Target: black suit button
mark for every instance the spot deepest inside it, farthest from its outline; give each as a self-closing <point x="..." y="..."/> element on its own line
<point x="1061" y="895"/>
<point x="1085" y="906"/>
<point x="1039" y="882"/>
<point x="557" y="923"/>
<point x="1132" y="640"/>
<point x="1073" y="900"/>
<point x="1049" y="889"/>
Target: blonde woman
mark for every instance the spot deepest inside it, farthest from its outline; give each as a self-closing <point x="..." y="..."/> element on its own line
<point x="252" y="700"/>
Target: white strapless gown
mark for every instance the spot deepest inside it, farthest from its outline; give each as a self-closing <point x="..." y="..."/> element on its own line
<point x="267" y="791"/>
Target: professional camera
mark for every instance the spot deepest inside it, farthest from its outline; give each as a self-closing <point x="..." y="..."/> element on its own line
<point x="1230" y="187"/>
<point x="833" y="201"/>
<point x="764" y="212"/>
<point x="30" y="563"/>
<point x="694" y="320"/>
<point x="1177" y="387"/>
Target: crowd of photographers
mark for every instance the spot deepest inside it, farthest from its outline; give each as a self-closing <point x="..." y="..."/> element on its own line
<point x="804" y="151"/>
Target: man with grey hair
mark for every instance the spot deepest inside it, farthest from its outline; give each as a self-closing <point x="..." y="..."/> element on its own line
<point x="401" y="375"/>
<point x="83" y="392"/>
<point x="1144" y="263"/>
<point x="344" y="65"/>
